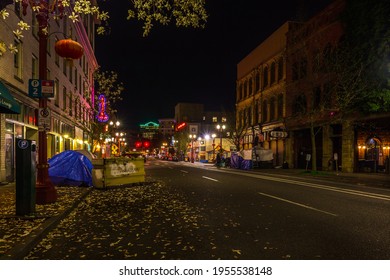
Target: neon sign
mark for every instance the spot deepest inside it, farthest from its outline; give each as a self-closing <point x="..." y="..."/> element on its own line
<point x="180" y="126"/>
<point x="102" y="115"/>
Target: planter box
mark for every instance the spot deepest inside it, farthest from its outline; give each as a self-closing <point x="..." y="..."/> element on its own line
<point x="109" y="172"/>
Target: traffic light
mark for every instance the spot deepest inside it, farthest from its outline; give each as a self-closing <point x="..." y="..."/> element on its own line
<point x="138" y="144"/>
<point x="146" y="144"/>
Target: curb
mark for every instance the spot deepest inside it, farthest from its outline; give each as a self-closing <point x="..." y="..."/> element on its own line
<point x="19" y="251"/>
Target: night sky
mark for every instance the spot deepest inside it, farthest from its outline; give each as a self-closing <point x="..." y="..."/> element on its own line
<point x="174" y="65"/>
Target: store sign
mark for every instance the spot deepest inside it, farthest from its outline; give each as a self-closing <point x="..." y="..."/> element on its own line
<point x="278" y="134"/>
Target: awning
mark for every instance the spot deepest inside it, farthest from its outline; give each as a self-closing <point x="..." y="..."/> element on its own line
<point x="8" y="105"/>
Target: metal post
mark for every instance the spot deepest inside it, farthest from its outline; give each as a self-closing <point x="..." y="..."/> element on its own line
<point x="45" y="191"/>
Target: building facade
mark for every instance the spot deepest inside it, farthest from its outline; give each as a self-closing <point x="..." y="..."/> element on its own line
<point x="287" y="93"/>
<point x="71" y="108"/>
<point x="261" y="94"/>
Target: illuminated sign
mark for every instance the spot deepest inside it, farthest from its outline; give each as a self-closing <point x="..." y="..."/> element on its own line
<point x="181" y="126"/>
<point x="102" y="115"/>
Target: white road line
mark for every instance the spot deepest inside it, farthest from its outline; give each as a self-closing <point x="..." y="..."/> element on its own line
<point x="296" y="203"/>
<point x="208" y="178"/>
<point x="324" y="187"/>
<point x="184" y="171"/>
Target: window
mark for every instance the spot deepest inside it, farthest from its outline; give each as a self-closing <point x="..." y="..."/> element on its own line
<point x="64" y="98"/>
<point x="273" y="73"/>
<point x="280" y="106"/>
<point x="56" y="92"/>
<point x="299" y="105"/>
<point x="250" y="87"/>
<point x="18" y="9"/>
<point x="34" y="25"/>
<point x="64" y="66"/>
<point x="265" y="76"/>
<point x="264" y="111"/>
<point x="215" y="119"/>
<point x="316" y="97"/>
<point x="65" y="26"/>
<point x="272" y="114"/>
<point x="70" y="105"/>
<point x="223" y="119"/>
<point x="34" y="67"/>
<point x="70" y="73"/>
<point x="295" y="71"/>
<point x="18" y="71"/>
<point x="56" y="56"/>
<point x="280" y="69"/>
<point x="75" y="78"/>
<point x="257" y="82"/>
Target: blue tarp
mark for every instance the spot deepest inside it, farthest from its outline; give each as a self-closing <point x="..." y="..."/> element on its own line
<point x="239" y="162"/>
<point x="70" y="168"/>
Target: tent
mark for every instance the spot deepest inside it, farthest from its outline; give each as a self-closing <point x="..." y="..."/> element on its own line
<point x="70" y="168"/>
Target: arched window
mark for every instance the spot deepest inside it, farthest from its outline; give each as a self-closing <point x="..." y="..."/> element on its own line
<point x="272" y="80"/>
<point x="265" y="76"/>
<point x="280" y="69"/>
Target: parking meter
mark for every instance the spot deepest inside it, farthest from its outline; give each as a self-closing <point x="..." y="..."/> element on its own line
<point x="25" y="176"/>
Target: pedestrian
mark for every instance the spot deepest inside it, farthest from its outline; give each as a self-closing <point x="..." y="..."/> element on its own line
<point x="218" y="163"/>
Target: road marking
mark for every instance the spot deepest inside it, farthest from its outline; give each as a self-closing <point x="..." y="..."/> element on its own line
<point x="324" y="187"/>
<point x="184" y="171"/>
<point x="208" y="178"/>
<point x="298" y="204"/>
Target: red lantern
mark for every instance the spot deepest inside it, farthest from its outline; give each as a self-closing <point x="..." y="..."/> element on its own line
<point x="69" y="49"/>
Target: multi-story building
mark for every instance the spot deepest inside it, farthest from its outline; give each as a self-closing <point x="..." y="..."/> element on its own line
<point x="309" y="89"/>
<point x="261" y="93"/>
<point x="285" y="87"/>
<point x="193" y="120"/>
<point x="71" y="108"/>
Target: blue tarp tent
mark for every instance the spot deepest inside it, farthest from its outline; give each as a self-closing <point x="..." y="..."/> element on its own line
<point x="70" y="168"/>
<point x="239" y="162"/>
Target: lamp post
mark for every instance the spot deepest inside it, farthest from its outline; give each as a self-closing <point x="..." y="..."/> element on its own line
<point x="213" y="136"/>
<point x="221" y="128"/>
<point x="114" y="126"/>
<point x="192" y="137"/>
<point x="45" y="191"/>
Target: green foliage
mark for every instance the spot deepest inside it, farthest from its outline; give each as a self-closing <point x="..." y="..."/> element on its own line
<point x="367" y="26"/>
<point x="106" y="82"/>
<point x="186" y="13"/>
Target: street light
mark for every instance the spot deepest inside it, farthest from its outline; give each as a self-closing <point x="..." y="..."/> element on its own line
<point x="221" y="128"/>
<point x="192" y="137"/>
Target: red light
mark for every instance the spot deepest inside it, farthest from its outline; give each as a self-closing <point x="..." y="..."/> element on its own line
<point x="180" y="126"/>
<point x="138" y="144"/>
<point x="146" y="144"/>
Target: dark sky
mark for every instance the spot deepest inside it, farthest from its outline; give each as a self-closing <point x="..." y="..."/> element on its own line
<point x="175" y="65"/>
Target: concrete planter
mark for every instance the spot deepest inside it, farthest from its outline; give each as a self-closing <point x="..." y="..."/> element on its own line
<point x="109" y="172"/>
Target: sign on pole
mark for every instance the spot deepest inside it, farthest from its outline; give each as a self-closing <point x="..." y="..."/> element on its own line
<point x="40" y="88"/>
<point x="44" y="119"/>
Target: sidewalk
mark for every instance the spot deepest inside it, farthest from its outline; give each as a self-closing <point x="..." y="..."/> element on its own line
<point x="19" y="235"/>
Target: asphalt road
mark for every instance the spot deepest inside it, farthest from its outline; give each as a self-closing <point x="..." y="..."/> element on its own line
<point x="208" y="213"/>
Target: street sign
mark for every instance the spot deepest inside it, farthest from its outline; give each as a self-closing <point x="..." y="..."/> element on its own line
<point x="44" y="123"/>
<point x="40" y="88"/>
<point x="47" y="88"/>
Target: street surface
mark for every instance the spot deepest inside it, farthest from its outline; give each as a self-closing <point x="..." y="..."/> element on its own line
<point x="193" y="213"/>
